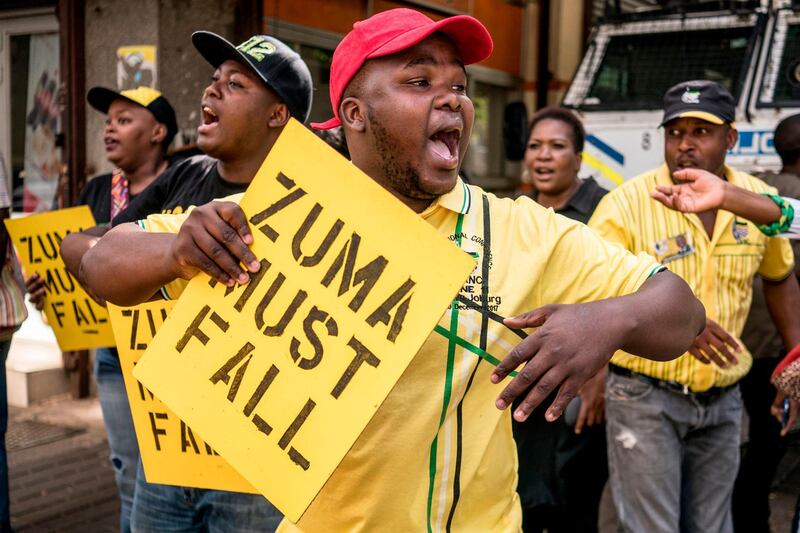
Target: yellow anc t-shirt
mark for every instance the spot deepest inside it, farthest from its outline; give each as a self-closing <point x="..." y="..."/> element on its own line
<point x="719" y="269"/>
<point x="438" y="454"/>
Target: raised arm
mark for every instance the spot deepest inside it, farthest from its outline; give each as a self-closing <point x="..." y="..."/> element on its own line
<point x="703" y="191"/>
<point x="128" y="265"/>
<point x="576" y="341"/>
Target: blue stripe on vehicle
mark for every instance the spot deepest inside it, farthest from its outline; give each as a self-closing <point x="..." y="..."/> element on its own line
<point x="606" y="149"/>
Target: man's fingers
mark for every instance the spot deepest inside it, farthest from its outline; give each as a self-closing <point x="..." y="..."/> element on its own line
<point x="719" y="353"/>
<point x="699" y="355"/>
<point x="528" y="376"/>
<point x="193" y="258"/>
<point x="34" y="284"/>
<point x="531" y="319"/>
<point x="721" y="340"/>
<point x="521" y="353"/>
<point x="569" y="389"/>
<point x="233" y="215"/>
<point x="720" y="333"/>
<point x="585" y="416"/>
<point x="543" y="385"/>
<point x="232" y="230"/>
<point x="718" y="359"/>
<point x="664" y="195"/>
<point x="687" y="174"/>
<point x="216" y="253"/>
<point x="710" y="355"/>
<point x="599" y="416"/>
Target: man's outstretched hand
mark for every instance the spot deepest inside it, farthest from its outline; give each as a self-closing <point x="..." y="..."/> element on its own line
<point x="573" y="343"/>
<point x="698" y="191"/>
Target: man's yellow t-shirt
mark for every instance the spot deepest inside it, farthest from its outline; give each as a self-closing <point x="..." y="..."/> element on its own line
<point x="718" y="269"/>
<point x="438" y="454"/>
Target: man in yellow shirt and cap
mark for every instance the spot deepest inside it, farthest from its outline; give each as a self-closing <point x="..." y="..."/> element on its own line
<point x="673" y="428"/>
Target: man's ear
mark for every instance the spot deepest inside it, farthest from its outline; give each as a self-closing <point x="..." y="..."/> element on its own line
<point x="732" y="137"/>
<point x="159" y="134"/>
<point x="352" y="113"/>
<point x="279" y="116"/>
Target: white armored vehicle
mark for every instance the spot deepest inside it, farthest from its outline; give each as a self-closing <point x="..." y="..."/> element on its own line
<point x="751" y="47"/>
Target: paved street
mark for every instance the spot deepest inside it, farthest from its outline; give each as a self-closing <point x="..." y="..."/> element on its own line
<point x="60" y="475"/>
<point x="61" y="478"/>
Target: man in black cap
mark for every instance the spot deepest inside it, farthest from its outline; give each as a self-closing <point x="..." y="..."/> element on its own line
<point x="256" y="87"/>
<point x="673" y="428"/>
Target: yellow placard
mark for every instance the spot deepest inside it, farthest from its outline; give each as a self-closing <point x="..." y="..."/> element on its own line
<point x="172" y="453"/>
<point x="78" y="321"/>
<point x="282" y="375"/>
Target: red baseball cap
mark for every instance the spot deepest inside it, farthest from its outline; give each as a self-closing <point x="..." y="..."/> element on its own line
<point x="393" y="31"/>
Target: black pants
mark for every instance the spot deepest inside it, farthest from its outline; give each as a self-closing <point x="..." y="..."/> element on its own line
<point x="561" y="474"/>
<point x="763" y="453"/>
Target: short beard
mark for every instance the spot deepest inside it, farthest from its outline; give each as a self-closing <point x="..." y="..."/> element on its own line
<point x="401" y="177"/>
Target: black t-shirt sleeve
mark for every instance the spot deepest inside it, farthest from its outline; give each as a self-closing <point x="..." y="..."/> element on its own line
<point x="191" y="182"/>
<point x="97" y="195"/>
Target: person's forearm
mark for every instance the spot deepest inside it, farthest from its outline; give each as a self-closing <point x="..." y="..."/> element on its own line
<point x="127" y="266"/>
<point x="663" y="318"/>
<point x="782" y="298"/>
<point x="75" y="245"/>
<point x="755" y="207"/>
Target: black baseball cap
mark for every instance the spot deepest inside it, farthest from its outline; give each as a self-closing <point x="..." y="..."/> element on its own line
<point x="281" y="68"/>
<point x="703" y="99"/>
<point x="100" y="98"/>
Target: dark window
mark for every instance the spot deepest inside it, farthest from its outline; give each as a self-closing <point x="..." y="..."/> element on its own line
<point x="787" y="83"/>
<point x="637" y="70"/>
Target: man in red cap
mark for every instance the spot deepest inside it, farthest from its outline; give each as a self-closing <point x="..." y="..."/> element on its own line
<point x="439" y="453"/>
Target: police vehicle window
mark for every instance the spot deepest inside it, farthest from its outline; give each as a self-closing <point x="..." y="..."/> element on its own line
<point x="637" y="69"/>
<point x="784" y="87"/>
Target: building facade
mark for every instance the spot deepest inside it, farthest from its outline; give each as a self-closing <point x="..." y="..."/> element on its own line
<point x="53" y="51"/>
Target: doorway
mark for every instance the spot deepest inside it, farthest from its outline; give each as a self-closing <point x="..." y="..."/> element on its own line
<point x="30" y="154"/>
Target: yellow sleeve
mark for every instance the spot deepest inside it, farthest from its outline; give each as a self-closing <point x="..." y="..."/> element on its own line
<point x="607" y="221"/>
<point x="583" y="267"/>
<point x="167" y="224"/>
<point x="778" y="260"/>
<point x="163" y="223"/>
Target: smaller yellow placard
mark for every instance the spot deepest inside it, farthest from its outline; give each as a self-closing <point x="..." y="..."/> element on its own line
<point x="78" y="322"/>
<point x="171" y="452"/>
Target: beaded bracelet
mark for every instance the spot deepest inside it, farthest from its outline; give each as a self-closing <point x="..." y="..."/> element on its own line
<point x="781" y="225"/>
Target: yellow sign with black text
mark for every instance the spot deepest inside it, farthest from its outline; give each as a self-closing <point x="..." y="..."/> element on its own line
<point x="281" y="375"/>
<point x="79" y="323"/>
<point x="172" y="454"/>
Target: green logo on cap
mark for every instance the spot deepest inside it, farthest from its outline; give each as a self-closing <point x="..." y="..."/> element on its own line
<point x="257" y="47"/>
